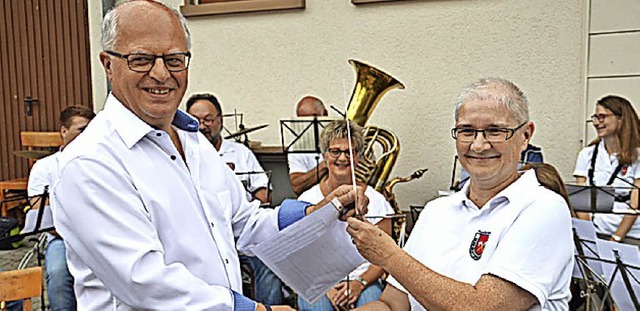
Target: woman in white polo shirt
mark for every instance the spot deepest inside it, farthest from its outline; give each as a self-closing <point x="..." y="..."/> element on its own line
<point x="612" y="159"/>
<point x="363" y="283"/>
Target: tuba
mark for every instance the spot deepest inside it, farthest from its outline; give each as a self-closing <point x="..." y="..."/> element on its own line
<point x="371" y="85"/>
<point x="381" y="145"/>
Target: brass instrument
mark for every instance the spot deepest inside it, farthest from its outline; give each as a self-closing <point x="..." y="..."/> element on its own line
<point x="371" y="85"/>
<point x="374" y="168"/>
<point x="387" y="191"/>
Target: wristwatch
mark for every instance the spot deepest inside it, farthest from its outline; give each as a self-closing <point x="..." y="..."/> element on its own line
<point x="616" y="238"/>
<point x="361" y="280"/>
<point x="336" y="203"/>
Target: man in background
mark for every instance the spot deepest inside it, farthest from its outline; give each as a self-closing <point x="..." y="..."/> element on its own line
<point x="44" y="173"/>
<point x="306" y="170"/>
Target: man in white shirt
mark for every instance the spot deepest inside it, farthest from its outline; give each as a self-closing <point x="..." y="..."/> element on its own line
<point x="306" y="170"/>
<point x="44" y="173"/>
<point x="148" y="210"/>
<point x="206" y="108"/>
<point x="503" y="242"/>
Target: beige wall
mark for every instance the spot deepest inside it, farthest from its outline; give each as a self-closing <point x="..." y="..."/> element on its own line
<point x="262" y="63"/>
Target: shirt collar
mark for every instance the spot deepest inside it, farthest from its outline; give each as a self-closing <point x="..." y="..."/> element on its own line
<point x="519" y="190"/>
<point x="131" y="128"/>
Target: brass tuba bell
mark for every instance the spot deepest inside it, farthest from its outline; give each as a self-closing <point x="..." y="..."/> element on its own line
<point x="371" y="85"/>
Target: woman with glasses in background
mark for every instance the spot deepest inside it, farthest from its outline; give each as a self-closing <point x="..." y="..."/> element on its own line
<point x="363" y="284"/>
<point x="612" y="160"/>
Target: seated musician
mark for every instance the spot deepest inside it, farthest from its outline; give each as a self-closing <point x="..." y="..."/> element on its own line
<point x="504" y="242"/>
<point x="73" y="120"/>
<point x="206" y="108"/>
<point x="306" y="170"/>
<point x="612" y="159"/>
<point x="364" y="282"/>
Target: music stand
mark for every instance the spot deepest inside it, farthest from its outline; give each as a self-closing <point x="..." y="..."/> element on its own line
<point x="594" y="199"/>
<point x="623" y="260"/>
<point x="302" y="135"/>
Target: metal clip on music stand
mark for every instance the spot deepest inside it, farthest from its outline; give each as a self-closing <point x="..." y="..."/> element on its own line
<point x="302" y="135"/>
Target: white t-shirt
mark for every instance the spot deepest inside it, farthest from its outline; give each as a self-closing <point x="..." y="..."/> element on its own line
<point x="303" y="162"/>
<point x="522" y="235"/>
<point x="378" y="206"/>
<point x="244" y="161"/>
<point x="605" y="166"/>
<point x="43" y="173"/>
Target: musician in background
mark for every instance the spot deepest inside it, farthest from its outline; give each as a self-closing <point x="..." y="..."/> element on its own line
<point x="306" y="170"/>
<point x="73" y="120"/>
<point x="612" y="159"/>
<point x="206" y="108"/>
<point x="504" y="242"/>
<point x="364" y="284"/>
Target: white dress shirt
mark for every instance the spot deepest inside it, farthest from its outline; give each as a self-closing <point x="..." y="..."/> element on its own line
<point x="144" y="229"/>
<point x="303" y="162"/>
<point x="527" y="241"/>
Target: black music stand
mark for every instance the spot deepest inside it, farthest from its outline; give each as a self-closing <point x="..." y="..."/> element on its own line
<point x="621" y="265"/>
<point x="594" y="199"/>
<point x="302" y="135"/>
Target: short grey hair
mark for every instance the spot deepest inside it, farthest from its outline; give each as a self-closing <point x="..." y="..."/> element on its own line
<point x="503" y="91"/>
<point x="338" y="130"/>
<point x="109" y="31"/>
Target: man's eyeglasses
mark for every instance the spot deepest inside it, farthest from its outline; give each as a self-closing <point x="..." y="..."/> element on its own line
<point x="335" y="152"/>
<point x="492" y="135"/>
<point x="600" y="117"/>
<point x="142" y="62"/>
<point x="208" y="120"/>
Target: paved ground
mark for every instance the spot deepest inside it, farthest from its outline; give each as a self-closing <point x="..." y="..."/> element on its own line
<point x="10" y="259"/>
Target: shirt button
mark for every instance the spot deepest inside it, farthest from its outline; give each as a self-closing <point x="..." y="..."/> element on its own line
<point x="158" y="134"/>
<point x="226" y="261"/>
<point x="173" y="157"/>
<point x="212" y="225"/>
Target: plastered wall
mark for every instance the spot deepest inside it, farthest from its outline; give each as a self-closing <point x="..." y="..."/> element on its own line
<point x="262" y="63"/>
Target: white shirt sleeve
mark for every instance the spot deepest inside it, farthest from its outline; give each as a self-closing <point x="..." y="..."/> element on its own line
<point x="257" y="181"/>
<point x="38" y="178"/>
<point x="523" y="255"/>
<point x="102" y="208"/>
<point x="582" y="164"/>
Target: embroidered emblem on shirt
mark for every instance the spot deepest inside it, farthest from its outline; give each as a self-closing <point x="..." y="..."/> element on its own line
<point x="624" y="170"/>
<point x="232" y="166"/>
<point x="477" y="245"/>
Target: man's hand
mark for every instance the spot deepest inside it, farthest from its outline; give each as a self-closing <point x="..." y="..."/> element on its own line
<point x="347" y="196"/>
<point x="373" y="244"/>
<point x="261" y="307"/>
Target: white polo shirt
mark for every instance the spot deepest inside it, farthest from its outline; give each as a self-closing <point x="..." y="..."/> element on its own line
<point x="244" y="161"/>
<point x="605" y="166"/>
<point x="522" y="235"/>
<point x="303" y="162"/>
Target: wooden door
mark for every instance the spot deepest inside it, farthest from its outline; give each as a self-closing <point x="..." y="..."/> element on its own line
<point x="44" y="67"/>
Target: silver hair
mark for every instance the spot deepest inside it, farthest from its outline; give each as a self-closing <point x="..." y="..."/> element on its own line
<point x="338" y="130"/>
<point x="109" y="32"/>
<point x="503" y="91"/>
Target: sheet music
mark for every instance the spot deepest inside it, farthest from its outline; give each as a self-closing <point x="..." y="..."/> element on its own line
<point x="311" y="255"/>
<point x="32" y="217"/>
<point x="588" y="240"/>
<point x="629" y="256"/>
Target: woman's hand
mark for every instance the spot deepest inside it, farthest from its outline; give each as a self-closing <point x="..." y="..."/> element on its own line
<point x="341" y="297"/>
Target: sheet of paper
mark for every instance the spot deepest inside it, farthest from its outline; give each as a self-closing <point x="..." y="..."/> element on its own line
<point x="311" y="255"/>
<point x="629" y="256"/>
<point x="586" y="232"/>
<point x="32" y="218"/>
